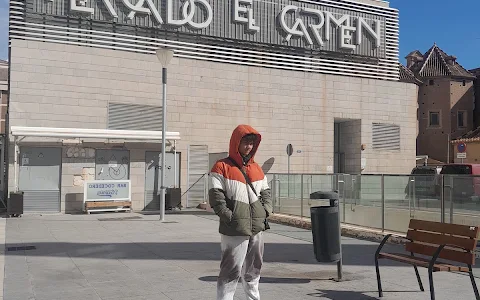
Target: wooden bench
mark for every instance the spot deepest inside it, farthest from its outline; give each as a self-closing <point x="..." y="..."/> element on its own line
<point x="433" y="240"/>
<point x="112" y="205"/>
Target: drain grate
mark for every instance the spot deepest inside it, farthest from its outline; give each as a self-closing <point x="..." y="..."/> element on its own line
<point x="120" y="219"/>
<point x="169" y="222"/>
<point x="21" y="248"/>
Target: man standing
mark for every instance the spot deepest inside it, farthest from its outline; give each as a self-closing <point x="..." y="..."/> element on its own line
<point x="240" y="196"/>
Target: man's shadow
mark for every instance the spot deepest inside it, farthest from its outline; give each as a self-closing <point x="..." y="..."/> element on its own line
<point x="265" y="280"/>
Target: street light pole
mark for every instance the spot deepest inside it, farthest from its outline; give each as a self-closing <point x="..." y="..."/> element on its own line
<point x="164" y="55"/>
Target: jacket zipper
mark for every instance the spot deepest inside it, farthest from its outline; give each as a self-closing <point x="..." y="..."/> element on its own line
<point x="250" y="208"/>
<point x="249" y="204"/>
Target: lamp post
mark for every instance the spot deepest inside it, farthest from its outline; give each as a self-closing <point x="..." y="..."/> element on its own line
<point x="164" y="56"/>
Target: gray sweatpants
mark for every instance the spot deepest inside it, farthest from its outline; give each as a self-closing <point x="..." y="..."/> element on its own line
<point x="242" y="257"/>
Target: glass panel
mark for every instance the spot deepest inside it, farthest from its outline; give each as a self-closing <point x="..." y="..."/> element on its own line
<point x="464" y="190"/>
<point x="462" y="200"/>
<point x="289" y="194"/>
<point x="424" y="194"/>
<point x="408" y="197"/>
<point x="362" y="196"/>
<point x="397" y="203"/>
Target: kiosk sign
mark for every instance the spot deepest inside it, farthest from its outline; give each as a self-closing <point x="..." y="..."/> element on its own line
<point x="105" y="190"/>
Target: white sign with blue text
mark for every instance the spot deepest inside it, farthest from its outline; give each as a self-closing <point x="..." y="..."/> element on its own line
<point x="107" y="190"/>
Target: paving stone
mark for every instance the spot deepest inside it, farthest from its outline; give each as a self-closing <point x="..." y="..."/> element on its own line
<point x="147" y="259"/>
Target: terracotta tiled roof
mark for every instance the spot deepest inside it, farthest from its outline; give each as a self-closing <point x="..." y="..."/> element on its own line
<point x="437" y="63"/>
<point x="416" y="53"/>
<point x="407" y="76"/>
<point x="475" y="72"/>
<point x="471" y="136"/>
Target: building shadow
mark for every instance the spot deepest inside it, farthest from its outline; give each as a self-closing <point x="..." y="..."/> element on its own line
<point x="299" y="253"/>
<point x="335" y="295"/>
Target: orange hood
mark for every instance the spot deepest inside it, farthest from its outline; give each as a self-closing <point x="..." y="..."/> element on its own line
<point x="237" y="135"/>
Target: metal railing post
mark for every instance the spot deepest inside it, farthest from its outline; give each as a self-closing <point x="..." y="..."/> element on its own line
<point x="410" y="195"/>
<point x="339" y="182"/>
<point x="442" y="199"/>
<point x="414" y="197"/>
<point x="205" y="189"/>
<point x="451" y="200"/>
<point x="301" y="196"/>
<point x="279" y="194"/>
<point x="382" y="184"/>
<point x="274" y="192"/>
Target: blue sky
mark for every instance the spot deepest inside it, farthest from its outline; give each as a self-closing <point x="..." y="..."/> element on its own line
<point x="3" y="29"/>
<point x="452" y="25"/>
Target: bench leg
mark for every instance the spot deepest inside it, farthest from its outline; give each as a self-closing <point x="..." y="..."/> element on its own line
<point x="432" y="289"/>
<point x="473" y="282"/>
<point x="379" y="281"/>
<point x="419" y="279"/>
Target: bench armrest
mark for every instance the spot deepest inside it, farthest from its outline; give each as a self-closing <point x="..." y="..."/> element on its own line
<point x="439" y="250"/>
<point x="455" y="246"/>
<point x="385" y="239"/>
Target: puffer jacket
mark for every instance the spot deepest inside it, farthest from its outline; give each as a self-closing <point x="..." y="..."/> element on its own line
<point x="241" y="211"/>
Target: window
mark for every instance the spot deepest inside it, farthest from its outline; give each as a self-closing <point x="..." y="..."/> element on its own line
<point x="461" y="119"/>
<point x="431" y="82"/>
<point x="464" y="83"/>
<point x="434" y="119"/>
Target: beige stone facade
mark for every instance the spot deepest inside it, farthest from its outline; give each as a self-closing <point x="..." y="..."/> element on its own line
<point x="445" y="101"/>
<point x="447" y="97"/>
<point x="3" y="94"/>
<point x="476" y="111"/>
<point x="55" y="85"/>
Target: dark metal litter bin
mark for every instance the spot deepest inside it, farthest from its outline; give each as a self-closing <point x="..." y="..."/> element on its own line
<point x="15" y="204"/>
<point x="326" y="229"/>
<point x="173" y="198"/>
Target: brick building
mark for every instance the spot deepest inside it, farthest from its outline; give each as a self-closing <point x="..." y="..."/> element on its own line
<point x="472" y="138"/>
<point x="332" y="91"/>
<point x="445" y="101"/>
<point x="476" y="111"/>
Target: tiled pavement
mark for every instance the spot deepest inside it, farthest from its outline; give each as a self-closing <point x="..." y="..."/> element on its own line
<point x="136" y="257"/>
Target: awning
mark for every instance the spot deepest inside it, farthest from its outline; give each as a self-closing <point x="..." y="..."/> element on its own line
<point x="73" y="133"/>
<point x="78" y="133"/>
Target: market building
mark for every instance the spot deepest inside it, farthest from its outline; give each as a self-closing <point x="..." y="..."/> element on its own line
<point x="86" y="92"/>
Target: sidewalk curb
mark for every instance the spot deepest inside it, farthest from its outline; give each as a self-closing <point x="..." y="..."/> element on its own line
<point x="357" y="232"/>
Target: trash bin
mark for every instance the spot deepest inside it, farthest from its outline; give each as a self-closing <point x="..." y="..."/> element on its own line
<point x="15" y="204"/>
<point x="326" y="228"/>
<point x="173" y="198"/>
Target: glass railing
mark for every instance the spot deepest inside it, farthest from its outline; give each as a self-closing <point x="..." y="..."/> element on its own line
<point x="385" y="202"/>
